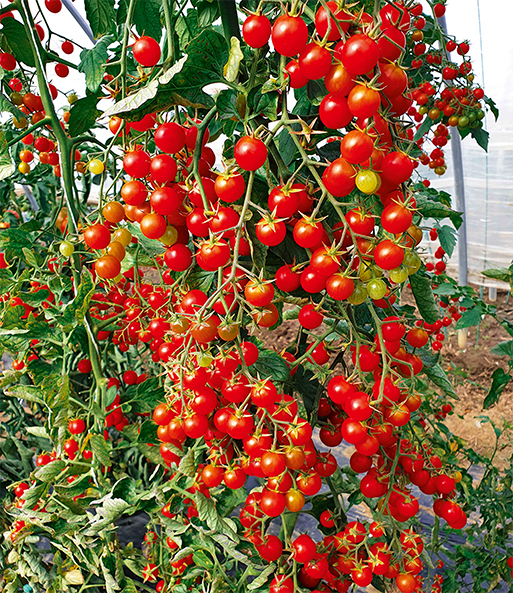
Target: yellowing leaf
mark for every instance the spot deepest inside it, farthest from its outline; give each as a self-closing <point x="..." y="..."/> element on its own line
<point x="231" y="68"/>
<point x="74" y="577"/>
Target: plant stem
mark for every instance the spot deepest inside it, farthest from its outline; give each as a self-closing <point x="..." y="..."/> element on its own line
<point x="39" y="124"/>
<point x="230" y="19"/>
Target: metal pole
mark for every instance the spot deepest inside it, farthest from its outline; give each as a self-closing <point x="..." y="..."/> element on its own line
<point x="30" y="197"/>
<point x="84" y="25"/>
<point x="459" y="186"/>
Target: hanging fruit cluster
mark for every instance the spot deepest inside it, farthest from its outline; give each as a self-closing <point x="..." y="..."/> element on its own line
<point x="310" y="227"/>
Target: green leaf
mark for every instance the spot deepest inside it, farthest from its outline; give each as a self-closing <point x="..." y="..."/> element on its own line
<point x="187" y="27"/>
<point x="438" y="376"/>
<point x="470" y="318"/>
<point x="146" y="17"/>
<point x="31" y="257"/>
<point x="7" y="167"/>
<point x="83" y="115"/>
<point x="263" y="104"/>
<point x="106" y="515"/>
<point x="207" y="512"/>
<point x="37" y="431"/>
<point x="72" y="505"/>
<point x="151" y="452"/>
<point x="423" y="294"/>
<point x="503" y="274"/>
<point x="226" y="102"/>
<point x="271" y="364"/>
<point x="133" y="102"/>
<point x="447" y="238"/>
<point x="502" y="349"/>
<point x="507" y="325"/>
<point x="430" y="209"/>
<point x="499" y="381"/>
<point x="187" y="464"/>
<point x="235" y="57"/>
<point x="26" y="392"/>
<point x="262" y="578"/>
<point x="481" y="136"/>
<point x="208" y="12"/>
<point x="445" y="289"/>
<point x="424" y="128"/>
<point x="18" y="41"/>
<point x="101" y="16"/>
<point x="201" y="559"/>
<point x="78" y="307"/>
<point x="93" y="62"/>
<point x="48" y="472"/>
<point x="100" y="449"/>
<point x="493" y="107"/>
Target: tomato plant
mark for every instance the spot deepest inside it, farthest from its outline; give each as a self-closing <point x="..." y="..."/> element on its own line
<point x="145" y="387"/>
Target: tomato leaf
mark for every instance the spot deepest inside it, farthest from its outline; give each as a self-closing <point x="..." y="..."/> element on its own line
<point x="101" y="449"/>
<point x="106" y="514"/>
<point x="470" y="318"/>
<point x="101" y="16"/>
<point x="271" y="364"/>
<point x="504" y="348"/>
<point x="499" y="381"/>
<point x="151" y="452"/>
<point x="146" y="18"/>
<point x="503" y="274"/>
<point x="83" y="115"/>
<point x="438" y="210"/>
<point x="481" y="136"/>
<point x="423" y="129"/>
<point x="438" y="376"/>
<point x="93" y="62"/>
<point x="493" y="107"/>
<point x="207" y="13"/>
<point x="447" y="237"/>
<point x="187" y="464"/>
<point x="423" y="294"/>
<point x="235" y="57"/>
<point x="18" y="41"/>
<point x="262" y="577"/>
<point x="226" y="102"/>
<point x="7" y="167"/>
<point x="51" y="470"/>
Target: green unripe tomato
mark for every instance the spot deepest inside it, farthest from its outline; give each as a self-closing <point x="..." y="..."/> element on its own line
<point x="399" y="275"/>
<point x="359" y="294"/>
<point x="66" y="248"/>
<point x="72" y="98"/>
<point x="412" y="262"/>
<point x="376" y="288"/>
<point x="16" y="98"/>
<point x="204" y="359"/>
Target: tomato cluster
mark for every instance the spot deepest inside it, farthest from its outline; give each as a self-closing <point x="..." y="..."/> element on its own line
<point x="346" y="234"/>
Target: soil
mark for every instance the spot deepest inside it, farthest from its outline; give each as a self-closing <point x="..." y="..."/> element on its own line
<point x="470" y="367"/>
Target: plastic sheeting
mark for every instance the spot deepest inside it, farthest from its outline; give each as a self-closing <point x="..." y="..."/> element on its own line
<point x="486" y="24"/>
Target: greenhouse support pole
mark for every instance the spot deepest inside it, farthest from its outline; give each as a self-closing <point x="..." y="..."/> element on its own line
<point x="459" y="186"/>
<point x="84" y="25"/>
